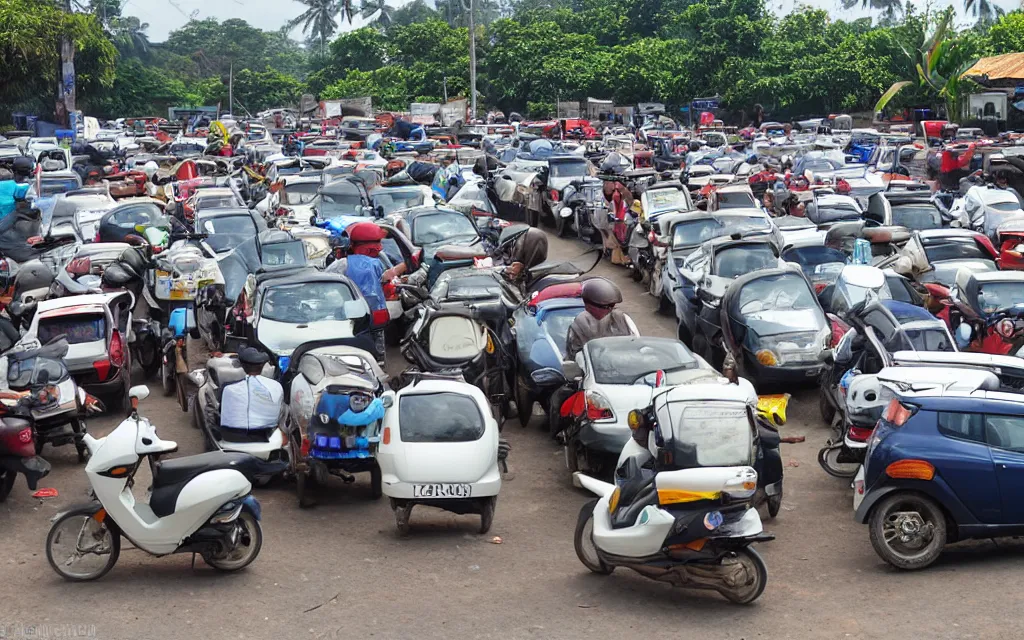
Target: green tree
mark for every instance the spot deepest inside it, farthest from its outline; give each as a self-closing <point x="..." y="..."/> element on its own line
<point x="1007" y="34"/>
<point x="378" y="12"/>
<point x="412" y="12"/>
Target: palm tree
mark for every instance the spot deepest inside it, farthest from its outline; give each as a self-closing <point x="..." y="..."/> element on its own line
<point x="128" y="34"/>
<point x="891" y="9"/>
<point x="385" y="13"/>
<point x="319" y="20"/>
<point x="986" y="11"/>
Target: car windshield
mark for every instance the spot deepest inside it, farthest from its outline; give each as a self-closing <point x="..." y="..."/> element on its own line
<point x="665" y="199"/>
<point x="996" y="296"/>
<point x="283" y="253"/>
<point x="568" y="169"/>
<point x="694" y="232"/>
<point x="737" y="200"/>
<point x="185" y="149"/>
<point x="935" y="339"/>
<point x="333" y="205"/>
<point x="306" y="302"/>
<point x="442" y="226"/>
<point x="301" y="193"/>
<point x="556" y="324"/>
<point x="225" y="232"/>
<point x="809" y="258"/>
<point x="943" y="249"/>
<point x="735" y="261"/>
<point x="395" y="200"/>
<point x="216" y="202"/>
<point x="784" y="292"/>
<point x="918" y="216"/>
<point x="625" y="361"/>
<point x="439" y="417"/>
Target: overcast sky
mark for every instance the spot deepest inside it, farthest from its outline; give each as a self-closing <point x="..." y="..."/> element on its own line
<point x="165" y="16"/>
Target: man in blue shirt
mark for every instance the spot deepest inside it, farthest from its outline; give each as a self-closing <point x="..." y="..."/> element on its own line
<point x="10" y="193"/>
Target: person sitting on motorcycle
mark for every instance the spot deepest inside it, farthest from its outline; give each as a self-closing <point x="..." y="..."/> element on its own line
<point x="10" y="193"/>
<point x="529" y="250"/>
<point x="1001" y="178"/>
<point x="255" y="403"/>
<point x="600" y="318"/>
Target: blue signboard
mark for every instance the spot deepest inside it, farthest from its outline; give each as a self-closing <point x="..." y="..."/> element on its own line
<point x="705" y="105"/>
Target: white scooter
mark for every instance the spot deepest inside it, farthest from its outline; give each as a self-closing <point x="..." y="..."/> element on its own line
<point x="198" y="504"/>
<point x="690" y="522"/>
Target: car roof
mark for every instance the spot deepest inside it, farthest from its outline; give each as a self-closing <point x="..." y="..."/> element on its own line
<point x="999" y="276"/>
<point x="997" y="363"/>
<point x="223" y="212"/>
<point x="929" y="234"/>
<point x="303" y="276"/>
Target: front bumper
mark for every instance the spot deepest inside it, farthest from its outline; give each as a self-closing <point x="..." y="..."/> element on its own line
<point x="793" y="374"/>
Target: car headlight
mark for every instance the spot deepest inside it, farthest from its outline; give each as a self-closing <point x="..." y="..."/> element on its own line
<point x="359" y="401"/>
<point x="790" y="348"/>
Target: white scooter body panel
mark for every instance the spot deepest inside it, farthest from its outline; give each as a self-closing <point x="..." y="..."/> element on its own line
<point x="748" y="525"/>
<point x="634" y="450"/>
<point x="706" y="479"/>
<point x="644" y="538"/>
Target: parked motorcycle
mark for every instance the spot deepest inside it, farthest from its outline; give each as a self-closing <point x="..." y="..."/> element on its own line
<point x="581" y="201"/>
<point x="17" y="446"/>
<point x="60" y="404"/>
<point x="680" y="510"/>
<point x="199" y="504"/>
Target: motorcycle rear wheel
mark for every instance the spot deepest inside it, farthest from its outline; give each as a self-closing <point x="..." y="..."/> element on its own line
<point x="826" y="458"/>
<point x="583" y="541"/>
<point x="746" y="594"/>
<point x="250" y="541"/>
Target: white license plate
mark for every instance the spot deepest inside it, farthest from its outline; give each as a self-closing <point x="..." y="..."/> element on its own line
<point x="858" y="488"/>
<point x="440" y="491"/>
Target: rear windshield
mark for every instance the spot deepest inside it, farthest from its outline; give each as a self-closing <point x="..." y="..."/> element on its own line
<point x="736" y="261"/>
<point x="916" y="216"/>
<point x="557" y="323"/>
<point x="810" y="257"/>
<point x="996" y="296"/>
<point x="51" y="186"/>
<point x="307" y="302"/>
<point x="624" y="362"/>
<point x="568" y="169"/>
<point x="395" y="200"/>
<point x="77" y="329"/>
<point x="738" y="200"/>
<point x="929" y="339"/>
<point x="954" y="249"/>
<point x="440" y="417"/>
<point x="217" y="202"/>
<point x="300" y="193"/>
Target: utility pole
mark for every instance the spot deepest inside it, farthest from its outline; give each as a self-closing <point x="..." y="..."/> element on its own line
<point x="231" y="88"/>
<point x="444" y="85"/>
<point x="472" y="61"/>
<point x="66" y="77"/>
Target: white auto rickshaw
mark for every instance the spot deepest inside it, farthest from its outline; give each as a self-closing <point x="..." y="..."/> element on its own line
<point x="439" y="447"/>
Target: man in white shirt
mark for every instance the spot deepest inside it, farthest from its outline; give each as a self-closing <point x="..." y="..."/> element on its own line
<point x="255" y="402"/>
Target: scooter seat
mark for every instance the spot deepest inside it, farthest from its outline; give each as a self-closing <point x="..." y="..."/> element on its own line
<point x="181" y="470"/>
<point x="228" y="434"/>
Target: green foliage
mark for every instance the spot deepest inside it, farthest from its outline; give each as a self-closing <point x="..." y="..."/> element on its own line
<point x="1007" y="35"/>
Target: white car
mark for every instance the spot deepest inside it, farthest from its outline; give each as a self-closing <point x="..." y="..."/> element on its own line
<point x="988" y="207"/>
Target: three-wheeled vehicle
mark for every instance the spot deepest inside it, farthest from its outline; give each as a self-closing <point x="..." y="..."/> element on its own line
<point x="439" y="447"/>
<point x="336" y="401"/>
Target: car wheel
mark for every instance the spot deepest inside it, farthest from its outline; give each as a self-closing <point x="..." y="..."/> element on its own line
<point x="774" y="504"/>
<point x="7" y="479"/>
<point x="908" y="530"/>
<point x="828" y="412"/>
<point x="487" y="513"/>
<point x="376" y="482"/>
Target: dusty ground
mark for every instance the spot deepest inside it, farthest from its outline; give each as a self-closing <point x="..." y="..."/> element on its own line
<point x="340" y="571"/>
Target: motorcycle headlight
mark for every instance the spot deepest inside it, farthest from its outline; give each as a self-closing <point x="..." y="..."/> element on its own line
<point x="359" y="401"/>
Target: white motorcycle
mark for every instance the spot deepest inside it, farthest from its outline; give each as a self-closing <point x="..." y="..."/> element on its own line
<point x="690" y="521"/>
<point x="197" y="504"/>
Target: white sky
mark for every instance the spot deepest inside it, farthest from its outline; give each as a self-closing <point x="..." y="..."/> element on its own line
<point x="165" y="16"/>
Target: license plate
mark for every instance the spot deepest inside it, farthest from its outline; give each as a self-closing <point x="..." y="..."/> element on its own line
<point x="440" y="491"/>
<point x="858" y="488"/>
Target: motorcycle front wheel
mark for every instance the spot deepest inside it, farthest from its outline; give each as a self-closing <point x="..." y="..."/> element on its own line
<point x="757" y="574"/>
<point x="828" y="459"/>
<point x="80" y="548"/>
<point x="583" y="541"/>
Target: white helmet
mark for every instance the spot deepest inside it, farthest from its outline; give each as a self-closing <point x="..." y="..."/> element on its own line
<point x="150" y="168"/>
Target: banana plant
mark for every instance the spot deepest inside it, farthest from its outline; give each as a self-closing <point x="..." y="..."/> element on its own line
<point x="938" y="66"/>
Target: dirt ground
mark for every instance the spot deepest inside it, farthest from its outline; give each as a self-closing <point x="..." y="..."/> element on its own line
<point x="340" y="571"/>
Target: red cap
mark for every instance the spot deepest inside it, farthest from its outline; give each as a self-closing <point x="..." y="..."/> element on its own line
<point x="365" y="232"/>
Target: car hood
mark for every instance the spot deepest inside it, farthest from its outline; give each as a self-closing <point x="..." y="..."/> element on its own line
<point x="773" y="322"/>
<point x="283" y="337"/>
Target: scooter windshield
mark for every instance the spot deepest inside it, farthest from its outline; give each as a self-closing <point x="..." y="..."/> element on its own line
<point x="37" y="371"/>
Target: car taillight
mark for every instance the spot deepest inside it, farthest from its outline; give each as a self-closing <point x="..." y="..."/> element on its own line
<point x="116" y="349"/>
<point x="1005" y="328"/>
<point x="897" y="413"/>
<point x="598" y="407"/>
<point x="80" y="266"/>
<point x="653" y="239"/>
<point x="304" y="447"/>
<point x="381" y="317"/>
<point x="554" y="195"/>
<point x="390" y="291"/>
<point x="860" y="434"/>
<point x="97" y="238"/>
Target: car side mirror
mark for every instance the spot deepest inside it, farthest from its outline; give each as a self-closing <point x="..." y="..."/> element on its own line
<point x="388" y="399"/>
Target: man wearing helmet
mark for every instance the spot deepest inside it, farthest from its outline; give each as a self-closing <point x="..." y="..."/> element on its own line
<point x="600" y="318"/>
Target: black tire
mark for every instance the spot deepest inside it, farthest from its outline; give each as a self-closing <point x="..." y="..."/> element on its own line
<point x="253" y="533"/>
<point x="828" y="412"/>
<point x="78" y="427"/>
<point x="52" y="538"/>
<point x="748" y="593"/>
<point x="665" y="305"/>
<point x="636" y="274"/>
<point x="402" y="515"/>
<point x="774" y="504"/>
<point x="586" y="518"/>
<point x="7" y="478"/>
<point x="167" y="376"/>
<point x="151" y="365"/>
<point x="301" y="490"/>
<point x="685" y="337"/>
<point x="376" y="482"/>
<point x="884" y="526"/>
<point x="524" y="403"/>
<point x="826" y="458"/>
<point x="487" y="513"/>
<point x="40" y="443"/>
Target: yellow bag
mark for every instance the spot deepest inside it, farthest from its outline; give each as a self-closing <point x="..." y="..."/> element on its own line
<point x="773" y="408"/>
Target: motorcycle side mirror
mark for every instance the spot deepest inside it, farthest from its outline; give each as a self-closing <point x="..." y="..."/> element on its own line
<point x="312" y="221"/>
<point x="572" y="371"/>
<point x="388" y="399"/>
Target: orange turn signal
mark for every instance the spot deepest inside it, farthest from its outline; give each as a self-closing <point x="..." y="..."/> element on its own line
<point x="911" y="470"/>
<point x="386" y="439"/>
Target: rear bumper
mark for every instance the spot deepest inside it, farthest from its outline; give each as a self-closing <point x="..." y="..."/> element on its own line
<point x="489" y="485"/>
<point x="604" y="437"/>
<point x="87" y="379"/>
<point x="34" y="468"/>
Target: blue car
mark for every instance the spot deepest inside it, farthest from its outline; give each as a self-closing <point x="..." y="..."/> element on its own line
<point x="541" y="331"/>
<point x="943" y="465"/>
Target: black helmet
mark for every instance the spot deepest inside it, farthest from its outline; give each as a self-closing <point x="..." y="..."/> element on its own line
<point x="694" y="145"/>
<point x="252" y="357"/>
<point x="601" y="293"/>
